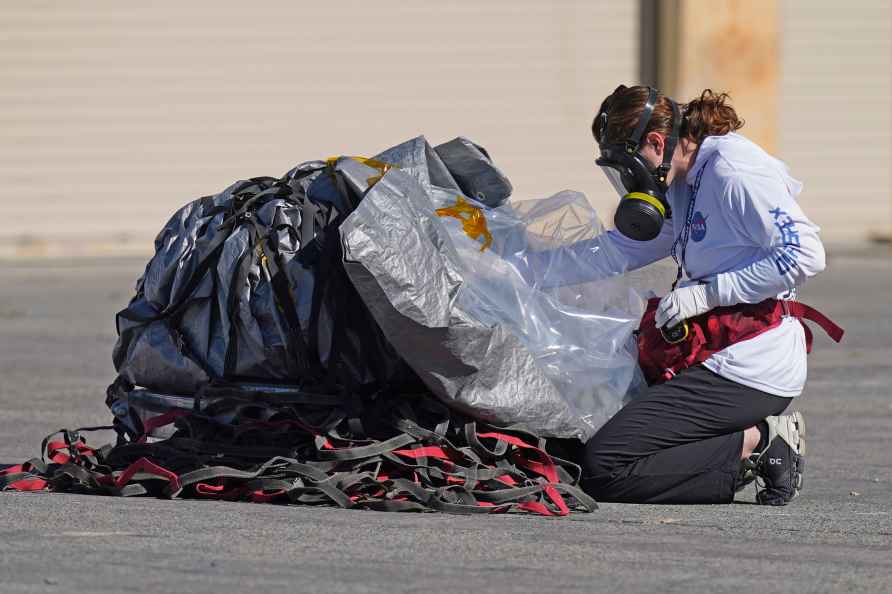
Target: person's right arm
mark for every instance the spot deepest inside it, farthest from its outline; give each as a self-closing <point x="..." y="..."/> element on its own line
<point x="608" y="254"/>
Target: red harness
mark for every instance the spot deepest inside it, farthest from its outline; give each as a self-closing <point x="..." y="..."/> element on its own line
<point x="716" y="330"/>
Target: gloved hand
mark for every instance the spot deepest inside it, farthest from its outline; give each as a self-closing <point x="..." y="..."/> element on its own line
<point x="683" y="303"/>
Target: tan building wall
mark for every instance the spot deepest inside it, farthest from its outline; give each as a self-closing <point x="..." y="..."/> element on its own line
<point x="836" y="112"/>
<point x="725" y="45"/>
<point x="812" y="79"/>
<point x="114" y="114"/>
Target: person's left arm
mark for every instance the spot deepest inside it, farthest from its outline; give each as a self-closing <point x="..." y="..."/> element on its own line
<point x="770" y="217"/>
<point x="765" y="213"/>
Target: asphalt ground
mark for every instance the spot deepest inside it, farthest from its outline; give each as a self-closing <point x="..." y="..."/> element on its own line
<point x="56" y="335"/>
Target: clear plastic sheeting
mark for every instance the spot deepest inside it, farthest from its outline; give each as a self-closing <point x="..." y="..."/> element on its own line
<point x="580" y="334"/>
<point x="513" y="313"/>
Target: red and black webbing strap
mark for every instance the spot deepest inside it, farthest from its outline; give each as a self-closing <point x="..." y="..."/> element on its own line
<point x="805" y="312"/>
<point x="366" y="451"/>
<point x="24" y="477"/>
<point x="430" y="460"/>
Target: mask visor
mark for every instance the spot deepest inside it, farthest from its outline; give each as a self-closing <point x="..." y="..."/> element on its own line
<point x="616" y="180"/>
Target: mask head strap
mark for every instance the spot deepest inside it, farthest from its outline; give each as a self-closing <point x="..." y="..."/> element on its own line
<point x="671" y="141"/>
<point x="634" y="140"/>
<point x="602" y="126"/>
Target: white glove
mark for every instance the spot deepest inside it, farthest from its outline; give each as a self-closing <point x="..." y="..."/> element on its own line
<point x="684" y="303"/>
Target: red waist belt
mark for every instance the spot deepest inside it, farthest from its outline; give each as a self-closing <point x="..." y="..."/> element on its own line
<point x="715" y="330"/>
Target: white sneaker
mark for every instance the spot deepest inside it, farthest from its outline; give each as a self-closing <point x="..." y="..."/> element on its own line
<point x="781" y="464"/>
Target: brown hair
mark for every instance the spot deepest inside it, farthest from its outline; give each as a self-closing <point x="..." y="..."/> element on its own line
<point x="707" y="115"/>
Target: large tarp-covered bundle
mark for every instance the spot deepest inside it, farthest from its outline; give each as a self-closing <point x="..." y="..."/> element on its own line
<point x="287" y="337"/>
<point x="358" y="275"/>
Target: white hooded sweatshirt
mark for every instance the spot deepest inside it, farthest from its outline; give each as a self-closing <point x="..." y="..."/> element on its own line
<point x="749" y="240"/>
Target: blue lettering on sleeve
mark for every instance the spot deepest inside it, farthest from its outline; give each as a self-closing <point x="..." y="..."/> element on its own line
<point x="777" y="212"/>
<point x="788" y="231"/>
<point x="786" y="260"/>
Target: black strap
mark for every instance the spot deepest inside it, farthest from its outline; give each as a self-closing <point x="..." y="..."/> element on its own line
<point x="634" y="141"/>
<point x="308" y="227"/>
<point x="238" y="281"/>
<point x="291" y="334"/>
<point x="671" y="142"/>
<point x="366" y="451"/>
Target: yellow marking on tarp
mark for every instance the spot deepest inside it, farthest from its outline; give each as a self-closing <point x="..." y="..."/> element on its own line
<point x="381" y="166"/>
<point x="472" y="219"/>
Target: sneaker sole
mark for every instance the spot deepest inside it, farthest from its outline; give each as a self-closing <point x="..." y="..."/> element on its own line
<point x="799" y="420"/>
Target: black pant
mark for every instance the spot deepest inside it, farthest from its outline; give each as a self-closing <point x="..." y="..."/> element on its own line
<point x="679" y="442"/>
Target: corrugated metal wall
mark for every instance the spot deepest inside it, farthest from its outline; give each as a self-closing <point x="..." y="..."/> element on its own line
<point x="114" y="114"/>
<point x="836" y="114"/>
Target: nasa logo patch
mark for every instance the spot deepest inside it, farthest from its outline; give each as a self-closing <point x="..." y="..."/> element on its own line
<point x="698" y="226"/>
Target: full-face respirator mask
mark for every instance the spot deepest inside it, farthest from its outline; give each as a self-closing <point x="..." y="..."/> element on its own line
<point x="643" y="206"/>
